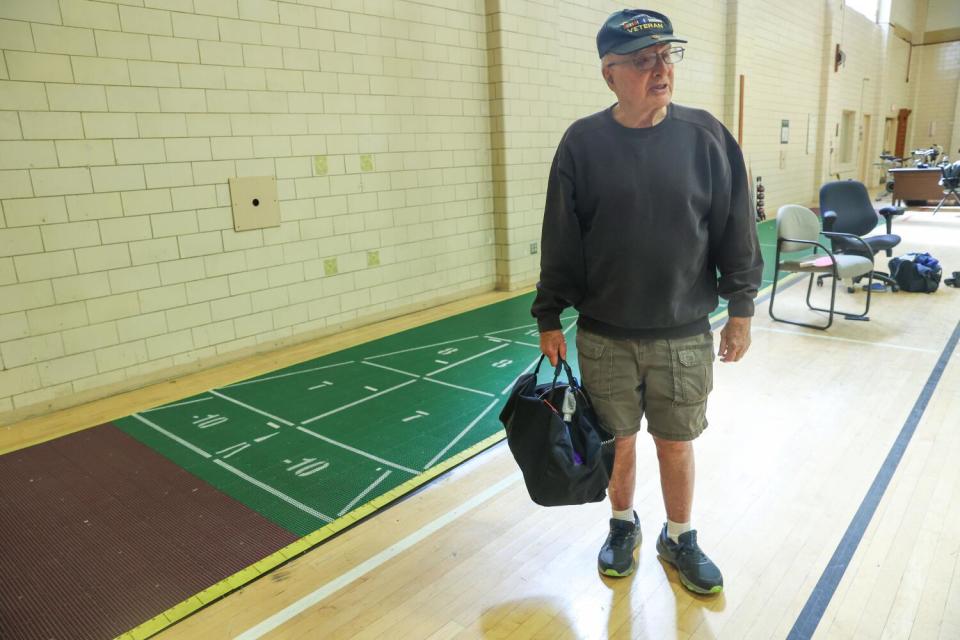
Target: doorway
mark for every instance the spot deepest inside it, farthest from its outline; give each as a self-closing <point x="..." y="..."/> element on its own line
<point x="889" y="134"/>
<point x="901" y="132"/>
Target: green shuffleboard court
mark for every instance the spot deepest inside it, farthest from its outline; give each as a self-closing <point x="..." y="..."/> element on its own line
<point x="309" y="444"/>
<point x="319" y="445"/>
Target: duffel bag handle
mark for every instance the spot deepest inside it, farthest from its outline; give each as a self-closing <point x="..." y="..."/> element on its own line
<point x="561" y="365"/>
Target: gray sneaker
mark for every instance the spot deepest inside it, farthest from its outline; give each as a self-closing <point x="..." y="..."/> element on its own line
<point x="616" y="555"/>
<point x="697" y="571"/>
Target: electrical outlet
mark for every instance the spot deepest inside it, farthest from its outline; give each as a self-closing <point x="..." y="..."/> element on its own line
<point x="330" y="267"/>
<point x="373" y="258"/>
<point x="533" y="248"/>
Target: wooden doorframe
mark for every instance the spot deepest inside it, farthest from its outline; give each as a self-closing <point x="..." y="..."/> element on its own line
<point x="901" y="131"/>
<point x="866" y="124"/>
<point x="889" y="137"/>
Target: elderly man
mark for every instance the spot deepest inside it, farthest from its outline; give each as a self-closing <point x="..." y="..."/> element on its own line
<point x="647" y="220"/>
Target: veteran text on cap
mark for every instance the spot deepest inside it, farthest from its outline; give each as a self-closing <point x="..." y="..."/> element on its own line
<point x="632" y="29"/>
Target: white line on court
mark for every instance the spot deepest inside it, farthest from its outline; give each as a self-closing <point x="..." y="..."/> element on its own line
<point x="526" y="344"/>
<point x="271" y="490"/>
<point x="188" y="445"/>
<point x="447" y="384"/>
<point x="885" y="345"/>
<point x="358" y="451"/>
<point x="367" y="566"/>
<point x="178" y="404"/>
<point x="532" y="324"/>
<point x="374" y="364"/>
<point x="369" y="388"/>
<point x="526" y="326"/>
<point x="356" y="402"/>
<point x="284" y="375"/>
<point x="530" y="366"/>
<point x="463" y="433"/>
<point x="437" y="344"/>
<point x="365" y="492"/>
<point x="254" y="409"/>
<point x="457" y="364"/>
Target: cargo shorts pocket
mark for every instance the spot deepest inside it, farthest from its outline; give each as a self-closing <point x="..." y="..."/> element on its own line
<point x="594" y="365"/>
<point x="692" y="365"/>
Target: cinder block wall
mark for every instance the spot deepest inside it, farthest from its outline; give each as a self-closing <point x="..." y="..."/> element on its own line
<point x="410" y="142"/>
<point x="121" y="123"/>
<point x="938" y="82"/>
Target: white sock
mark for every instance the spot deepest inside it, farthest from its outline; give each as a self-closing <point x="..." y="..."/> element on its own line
<point x="675" y="529"/>
<point x="626" y="514"/>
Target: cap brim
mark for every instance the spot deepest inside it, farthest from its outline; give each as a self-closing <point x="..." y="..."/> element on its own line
<point x="642" y="43"/>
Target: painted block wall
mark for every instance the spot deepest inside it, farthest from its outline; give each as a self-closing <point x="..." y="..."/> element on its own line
<point x="120" y="124"/>
<point x="410" y="140"/>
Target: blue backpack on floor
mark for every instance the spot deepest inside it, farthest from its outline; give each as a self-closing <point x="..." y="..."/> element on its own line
<point x="918" y="272"/>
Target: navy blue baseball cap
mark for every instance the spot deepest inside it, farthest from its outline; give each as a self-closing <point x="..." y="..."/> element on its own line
<point x="628" y="30"/>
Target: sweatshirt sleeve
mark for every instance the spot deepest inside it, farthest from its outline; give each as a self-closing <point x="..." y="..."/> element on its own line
<point x="562" y="269"/>
<point x="733" y="234"/>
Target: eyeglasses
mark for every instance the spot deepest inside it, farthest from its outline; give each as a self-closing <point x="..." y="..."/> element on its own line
<point x="649" y="60"/>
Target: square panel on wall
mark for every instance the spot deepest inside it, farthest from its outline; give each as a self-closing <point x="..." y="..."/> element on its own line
<point x="254" y="202"/>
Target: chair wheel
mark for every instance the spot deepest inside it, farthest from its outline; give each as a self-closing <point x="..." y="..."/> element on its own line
<point x="894" y="288"/>
<point x="851" y="289"/>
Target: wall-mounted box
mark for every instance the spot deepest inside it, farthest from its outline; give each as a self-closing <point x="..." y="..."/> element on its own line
<point x="254" y="202"/>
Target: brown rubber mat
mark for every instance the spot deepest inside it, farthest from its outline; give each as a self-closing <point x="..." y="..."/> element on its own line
<point x="98" y="533"/>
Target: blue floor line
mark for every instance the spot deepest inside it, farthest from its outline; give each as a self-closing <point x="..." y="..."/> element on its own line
<point x="822" y="593"/>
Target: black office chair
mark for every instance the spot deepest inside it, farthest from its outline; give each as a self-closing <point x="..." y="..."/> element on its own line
<point x="845" y="207"/>
<point x="950" y="182"/>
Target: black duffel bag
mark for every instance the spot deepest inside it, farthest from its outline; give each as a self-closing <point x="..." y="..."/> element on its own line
<point x="563" y="461"/>
<point x="917" y="272"/>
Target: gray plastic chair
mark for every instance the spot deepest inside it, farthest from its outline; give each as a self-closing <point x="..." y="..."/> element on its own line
<point x="798" y="229"/>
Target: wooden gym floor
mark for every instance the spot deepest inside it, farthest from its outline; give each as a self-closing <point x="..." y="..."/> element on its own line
<point x="801" y="469"/>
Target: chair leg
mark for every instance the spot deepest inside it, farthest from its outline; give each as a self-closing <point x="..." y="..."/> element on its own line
<point x="846" y="314"/>
<point x="773" y="295"/>
<point x="886" y="279"/>
<point x="862" y="315"/>
<point x="940" y="204"/>
<point x="833" y="298"/>
<point x="953" y="193"/>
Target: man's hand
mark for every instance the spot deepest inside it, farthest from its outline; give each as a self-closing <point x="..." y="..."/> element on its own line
<point x="734" y="339"/>
<point x="552" y="345"/>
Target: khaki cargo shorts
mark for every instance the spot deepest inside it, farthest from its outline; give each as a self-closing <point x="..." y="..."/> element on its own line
<point x="667" y="380"/>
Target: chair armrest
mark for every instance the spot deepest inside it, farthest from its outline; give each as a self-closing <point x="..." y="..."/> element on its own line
<point x="850" y="236"/>
<point x="829" y="218"/>
<point x="816" y="245"/>
<point x="888" y="213"/>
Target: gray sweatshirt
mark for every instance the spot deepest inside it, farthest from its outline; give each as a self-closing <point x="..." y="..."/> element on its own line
<point x="643" y="228"/>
